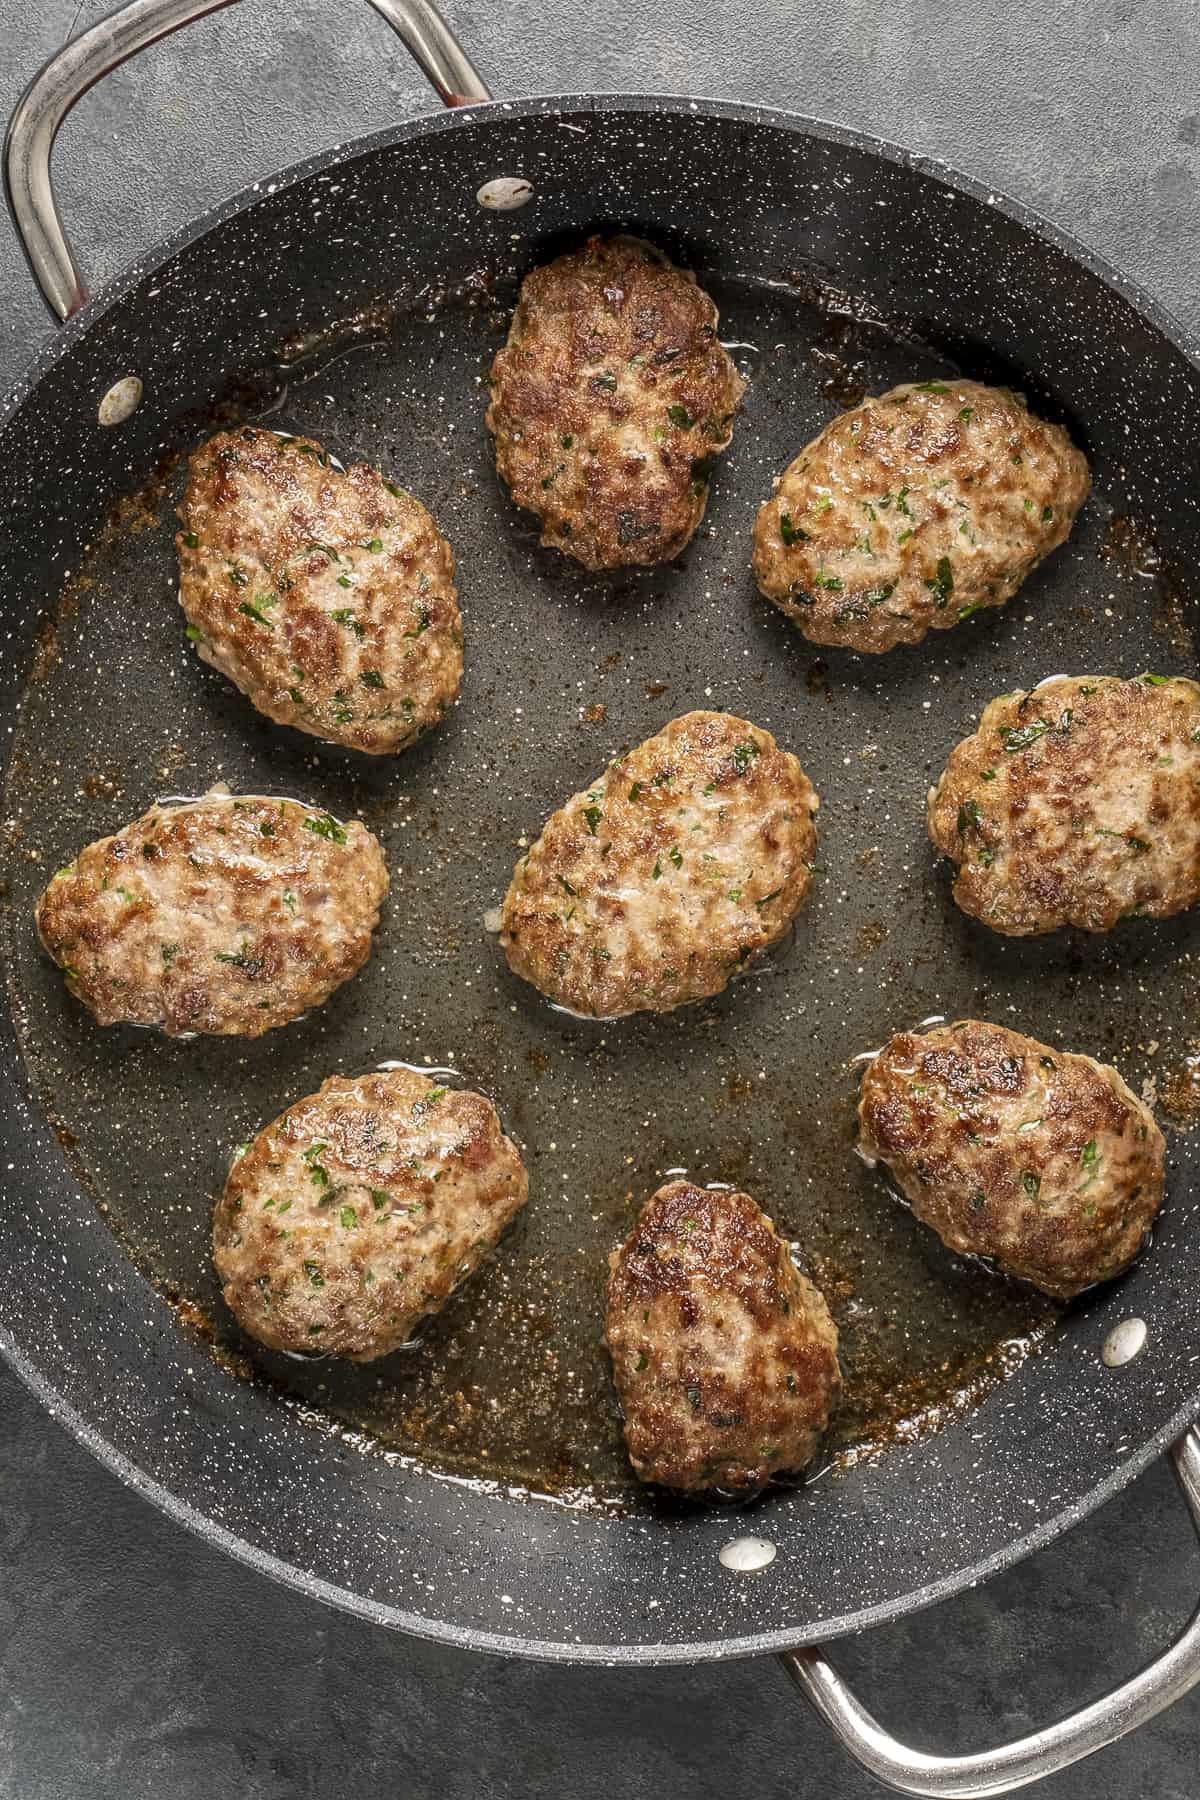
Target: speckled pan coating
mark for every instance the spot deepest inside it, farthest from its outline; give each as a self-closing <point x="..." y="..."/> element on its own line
<point x="804" y="236"/>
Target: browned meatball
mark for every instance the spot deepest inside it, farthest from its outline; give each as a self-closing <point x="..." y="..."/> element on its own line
<point x="724" y="1356"/>
<point x="914" y="510"/>
<point x="1077" y="803"/>
<point x="221" y="915"/>
<point x="1042" y="1160"/>
<point x="610" y="402"/>
<point x="360" y="1210"/>
<point x="654" y="885"/>
<point x="328" y="598"/>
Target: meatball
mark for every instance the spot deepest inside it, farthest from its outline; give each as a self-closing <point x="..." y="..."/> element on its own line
<point x="914" y="510"/>
<point x="221" y="915"/>
<point x="1042" y="1160"/>
<point x="360" y="1209"/>
<point x="724" y="1357"/>
<point x="657" y="883"/>
<point x="610" y="402"/>
<point x="328" y="598"/>
<point x="1075" y="803"/>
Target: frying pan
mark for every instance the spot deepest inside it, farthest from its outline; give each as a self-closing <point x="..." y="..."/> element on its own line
<point x="472" y="1489"/>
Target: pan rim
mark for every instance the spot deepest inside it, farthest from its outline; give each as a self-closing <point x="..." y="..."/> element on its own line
<point x="118" y="286"/>
<point x="125" y="1468"/>
<point x="556" y="1651"/>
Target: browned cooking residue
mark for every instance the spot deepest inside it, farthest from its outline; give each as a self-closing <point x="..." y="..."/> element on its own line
<point x="375" y="321"/>
<point x="369" y="322"/>
<point x="838" y="306"/>
<point x="138" y="512"/>
<point x="46" y="645"/>
<point x="538" y="1060"/>
<point x="913" y="1410"/>
<point x="595" y="714"/>
<point x="842" y="381"/>
<point x="1132" y="545"/>
<point x="655" y="688"/>
<point x="870" y="936"/>
<point x="835" y="1284"/>
<point x="172" y="759"/>
<point x="102" y="784"/>
<point x="190" y="1315"/>
<point x="45" y="651"/>
<point x="1179" y="1089"/>
<point x="817" y="679"/>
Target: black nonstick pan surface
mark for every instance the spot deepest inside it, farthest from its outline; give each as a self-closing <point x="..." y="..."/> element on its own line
<point x="473" y="1487"/>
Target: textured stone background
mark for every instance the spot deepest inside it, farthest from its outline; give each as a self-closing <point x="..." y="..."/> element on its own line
<point x="135" y="1664"/>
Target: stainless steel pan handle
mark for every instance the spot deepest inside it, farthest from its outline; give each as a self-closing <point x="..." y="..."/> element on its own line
<point x="104" y="47"/>
<point x="1027" y="1759"/>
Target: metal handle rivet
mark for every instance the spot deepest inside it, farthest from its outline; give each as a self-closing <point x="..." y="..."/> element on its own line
<point x="1124" y="1342"/>
<point x="747" y="1555"/>
<point x="505" y="193"/>
<point x="123" y="398"/>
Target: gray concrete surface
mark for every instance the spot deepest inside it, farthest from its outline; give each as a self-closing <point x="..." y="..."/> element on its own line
<point x="135" y="1662"/>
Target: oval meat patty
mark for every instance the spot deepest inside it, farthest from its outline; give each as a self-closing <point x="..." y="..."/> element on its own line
<point x="222" y="915"/>
<point x="654" y="885"/>
<point x="360" y="1210"/>
<point x="724" y="1357"/>
<point x="610" y="402"/>
<point x="1042" y="1160"/>
<point x="1076" y="803"/>
<point x="913" y="510"/>
<point x="327" y="598"/>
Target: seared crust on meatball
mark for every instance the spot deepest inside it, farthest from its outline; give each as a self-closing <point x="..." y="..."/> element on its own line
<point x="327" y="598"/>
<point x="610" y="402"/>
<point x="913" y="510"/>
<point x="679" y="863"/>
<point x="223" y="915"/>
<point x="1043" y="1160"/>
<point x="360" y="1209"/>
<point x="724" y="1357"/>
<point x="1077" y="803"/>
